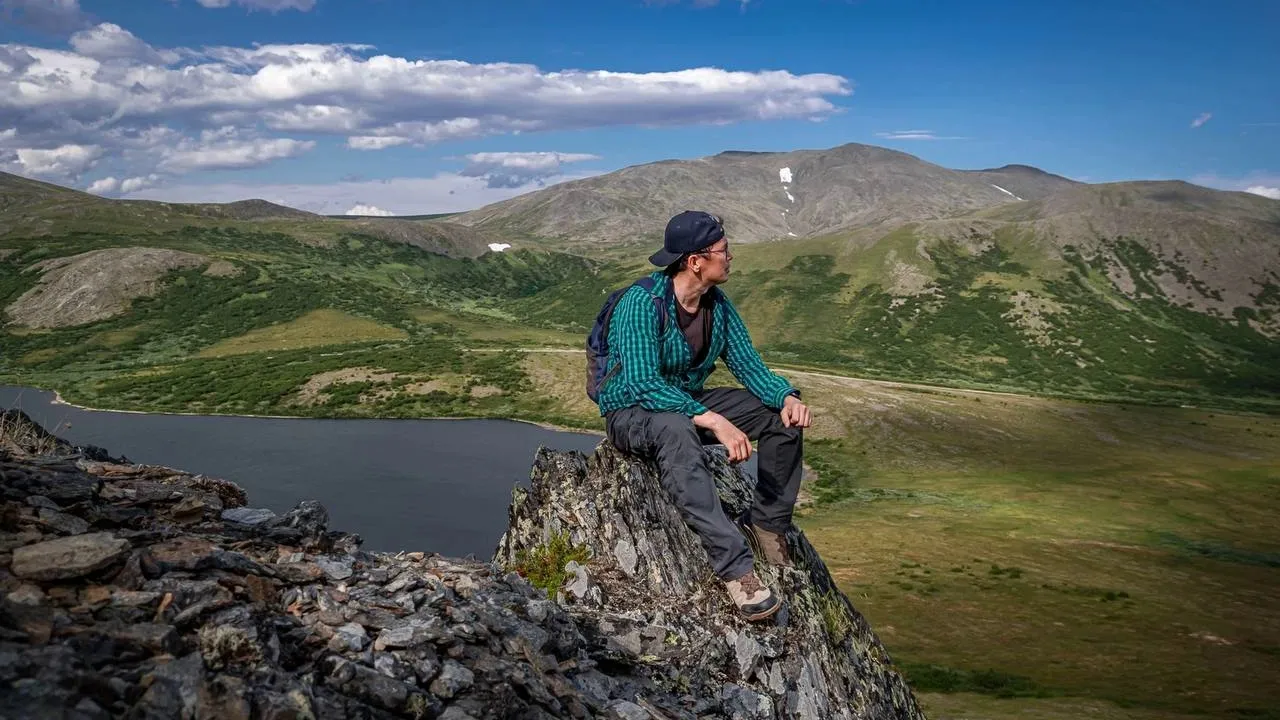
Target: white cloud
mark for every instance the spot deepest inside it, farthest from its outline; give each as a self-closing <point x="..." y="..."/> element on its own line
<point x="226" y="149"/>
<point x="111" y="185"/>
<point x="517" y="169"/>
<point x="105" y="186"/>
<point x="444" y="192"/>
<point x="112" y="89"/>
<point x="1264" y="191"/>
<point x="111" y="42"/>
<point x="63" y="161"/>
<point x="1201" y="120"/>
<point x="135" y="184"/>
<point x="48" y="16"/>
<point x="915" y="135"/>
<point x="269" y="5"/>
<point x="369" y="210"/>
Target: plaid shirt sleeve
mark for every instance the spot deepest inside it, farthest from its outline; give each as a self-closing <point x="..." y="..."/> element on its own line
<point x="745" y="363"/>
<point x="633" y="341"/>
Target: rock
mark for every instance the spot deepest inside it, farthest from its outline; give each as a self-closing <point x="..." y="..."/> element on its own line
<point x="335" y="569"/>
<point x="350" y="637"/>
<point x="248" y="516"/>
<point x="580" y="582"/>
<point x="36" y="621"/>
<point x="152" y="637"/>
<point x="413" y="632"/>
<point x="68" y="557"/>
<point x="62" y="522"/>
<point x="173" y="690"/>
<point x="190" y="509"/>
<point x="183" y="553"/>
<point x="26" y="594"/>
<point x="453" y="679"/>
<point x="308" y="518"/>
<point x="627" y="710"/>
<point x="609" y="504"/>
<point x="625" y="553"/>
<point x="747" y="652"/>
<point x="272" y="705"/>
<point x="370" y="685"/>
<point x="740" y="703"/>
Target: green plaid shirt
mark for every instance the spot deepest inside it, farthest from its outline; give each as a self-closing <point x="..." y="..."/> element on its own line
<point x="657" y="374"/>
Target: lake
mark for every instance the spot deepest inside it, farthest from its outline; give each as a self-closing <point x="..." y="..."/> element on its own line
<point x="433" y="485"/>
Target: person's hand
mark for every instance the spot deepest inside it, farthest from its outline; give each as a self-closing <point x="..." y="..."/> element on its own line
<point x="795" y="413"/>
<point x="733" y="439"/>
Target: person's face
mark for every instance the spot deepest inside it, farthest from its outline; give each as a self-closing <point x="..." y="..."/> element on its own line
<point x="714" y="261"/>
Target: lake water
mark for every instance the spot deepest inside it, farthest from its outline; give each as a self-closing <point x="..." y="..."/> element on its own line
<point x="432" y="485"/>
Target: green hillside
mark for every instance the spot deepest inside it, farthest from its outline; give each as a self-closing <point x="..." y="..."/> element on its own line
<point x="992" y="311"/>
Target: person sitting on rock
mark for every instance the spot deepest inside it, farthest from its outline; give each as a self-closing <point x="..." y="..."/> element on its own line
<point x="655" y="405"/>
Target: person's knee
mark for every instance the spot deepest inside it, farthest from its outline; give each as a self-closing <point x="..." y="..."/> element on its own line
<point x="777" y="427"/>
<point x="674" y="428"/>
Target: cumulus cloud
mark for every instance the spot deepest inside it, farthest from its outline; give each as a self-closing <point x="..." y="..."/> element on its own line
<point x="269" y="5"/>
<point x="112" y="89"/>
<point x="111" y="185"/>
<point x="62" y="161"/>
<point x="369" y="210"/>
<point x="227" y="149"/>
<point x="915" y="135"/>
<point x="105" y="186"/>
<point x="1201" y="120"/>
<point x="109" y="41"/>
<point x="517" y="169"/>
<point x="56" y="17"/>
<point x="1264" y="191"/>
<point x="443" y="192"/>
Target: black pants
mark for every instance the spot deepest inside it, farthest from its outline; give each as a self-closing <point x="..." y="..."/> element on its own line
<point x="676" y="444"/>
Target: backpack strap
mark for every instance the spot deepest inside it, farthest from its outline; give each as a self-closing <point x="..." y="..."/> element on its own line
<point x="659" y="301"/>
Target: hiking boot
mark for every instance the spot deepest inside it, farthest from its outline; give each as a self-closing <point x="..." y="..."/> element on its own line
<point x="773" y="545"/>
<point x="754" y="600"/>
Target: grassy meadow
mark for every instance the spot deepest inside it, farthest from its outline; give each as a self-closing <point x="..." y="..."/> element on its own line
<point x="1024" y="550"/>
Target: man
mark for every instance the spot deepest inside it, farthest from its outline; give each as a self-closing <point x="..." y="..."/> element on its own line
<point x="655" y="405"/>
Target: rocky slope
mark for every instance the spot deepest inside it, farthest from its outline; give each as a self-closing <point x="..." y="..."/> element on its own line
<point x="145" y="592"/>
<point x="648" y="593"/>
<point x="99" y="284"/>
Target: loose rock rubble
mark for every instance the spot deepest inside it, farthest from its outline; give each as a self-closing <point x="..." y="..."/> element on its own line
<point x="137" y="591"/>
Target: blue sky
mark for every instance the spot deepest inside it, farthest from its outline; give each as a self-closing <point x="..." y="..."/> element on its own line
<point x="200" y="99"/>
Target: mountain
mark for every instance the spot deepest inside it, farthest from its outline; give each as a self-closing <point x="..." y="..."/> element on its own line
<point x="761" y="196"/>
<point x="30" y="208"/>
<point x="898" y="269"/>
<point x="1023" y="182"/>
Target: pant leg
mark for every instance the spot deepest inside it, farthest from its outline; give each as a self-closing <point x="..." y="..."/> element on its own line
<point x="672" y="440"/>
<point x="779" y="458"/>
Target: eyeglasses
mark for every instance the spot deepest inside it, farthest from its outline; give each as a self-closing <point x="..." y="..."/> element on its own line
<point x="727" y="255"/>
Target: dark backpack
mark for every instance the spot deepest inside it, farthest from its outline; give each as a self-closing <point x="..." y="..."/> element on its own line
<point x="598" y="338"/>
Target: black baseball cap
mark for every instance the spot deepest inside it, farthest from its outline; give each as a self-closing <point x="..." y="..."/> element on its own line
<point x="688" y="232"/>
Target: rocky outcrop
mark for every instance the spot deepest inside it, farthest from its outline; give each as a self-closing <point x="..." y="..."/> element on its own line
<point x="647" y="596"/>
<point x="96" y="285"/>
<point x="139" y="591"/>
